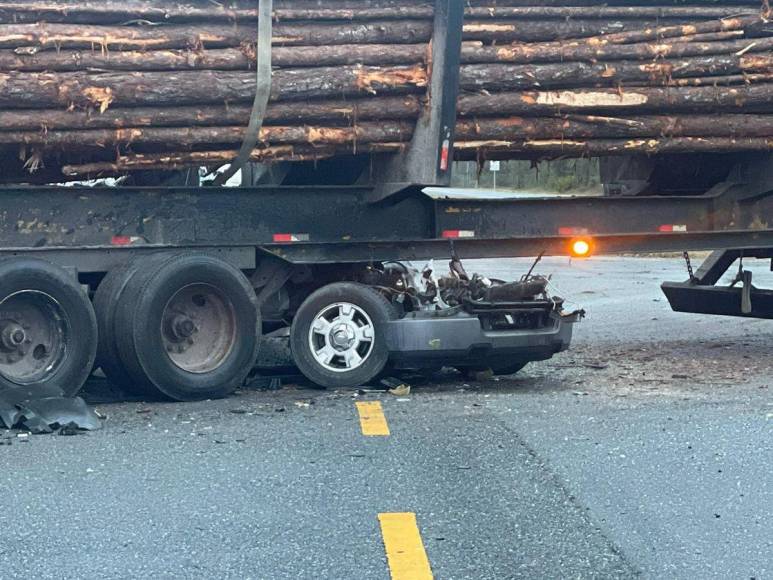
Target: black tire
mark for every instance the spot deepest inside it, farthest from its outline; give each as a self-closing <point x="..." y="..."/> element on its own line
<point x="51" y="290"/>
<point x="109" y="294"/>
<point x="141" y="342"/>
<point x="377" y="307"/>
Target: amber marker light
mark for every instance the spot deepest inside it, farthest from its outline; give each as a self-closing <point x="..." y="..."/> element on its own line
<point x="581" y="248"/>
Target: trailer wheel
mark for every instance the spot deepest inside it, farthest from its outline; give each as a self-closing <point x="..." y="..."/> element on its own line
<point x="109" y="294"/>
<point x="190" y="327"/>
<point x="48" y="330"/>
<point x="337" y="336"/>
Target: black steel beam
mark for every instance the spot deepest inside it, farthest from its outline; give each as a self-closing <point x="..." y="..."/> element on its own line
<point x="686" y="297"/>
<point x="514" y="247"/>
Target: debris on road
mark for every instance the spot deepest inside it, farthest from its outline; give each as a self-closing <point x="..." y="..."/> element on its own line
<point x="396" y="387"/>
<point x="45" y="410"/>
<point x="401" y="391"/>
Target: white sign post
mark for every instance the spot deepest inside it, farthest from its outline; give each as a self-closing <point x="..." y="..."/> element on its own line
<point x="494" y="167"/>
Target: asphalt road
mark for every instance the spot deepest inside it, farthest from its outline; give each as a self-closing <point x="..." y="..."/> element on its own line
<point x="645" y="451"/>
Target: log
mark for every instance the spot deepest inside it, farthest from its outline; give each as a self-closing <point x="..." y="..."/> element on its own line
<point x="545" y="149"/>
<point x="598" y="127"/>
<point x="243" y="58"/>
<point x="502" y="77"/>
<point x="728" y="80"/>
<point x="502" y="31"/>
<point x="103" y="90"/>
<point x="112" y="12"/>
<point x="117" y="12"/>
<point x="562" y="52"/>
<point x="591" y="3"/>
<point x="607" y="12"/>
<point x="185" y="159"/>
<point x="652" y="33"/>
<point x="186" y="137"/>
<point x="615" y="100"/>
<point x="57" y="36"/>
<point x="336" y="112"/>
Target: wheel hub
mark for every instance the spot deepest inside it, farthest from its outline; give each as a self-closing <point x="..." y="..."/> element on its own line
<point x="182" y="327"/>
<point x="199" y="328"/>
<point x="33" y="335"/>
<point x="341" y="337"/>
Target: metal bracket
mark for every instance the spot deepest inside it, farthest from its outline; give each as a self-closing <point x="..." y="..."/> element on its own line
<point x="429" y="157"/>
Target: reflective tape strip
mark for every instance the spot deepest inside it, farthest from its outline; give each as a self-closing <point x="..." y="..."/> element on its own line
<point x="290" y="238"/>
<point x="454" y="234"/>
<point x="573" y="231"/>
<point x="673" y="228"/>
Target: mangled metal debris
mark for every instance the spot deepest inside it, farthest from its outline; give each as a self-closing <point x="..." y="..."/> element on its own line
<point x="45" y="409"/>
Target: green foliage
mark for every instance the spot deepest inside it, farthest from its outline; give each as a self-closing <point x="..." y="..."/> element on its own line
<point x="561" y="176"/>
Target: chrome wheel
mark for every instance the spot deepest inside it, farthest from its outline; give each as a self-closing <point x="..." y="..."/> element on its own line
<point x="341" y="337"/>
<point x="199" y="328"/>
<point x="33" y="335"/>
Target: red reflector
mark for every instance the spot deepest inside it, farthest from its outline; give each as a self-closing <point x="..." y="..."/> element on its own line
<point x="121" y="241"/>
<point x="573" y="231"/>
<point x="444" y="152"/>
<point x="290" y="238"/>
<point x="454" y="234"/>
<point x="672" y="228"/>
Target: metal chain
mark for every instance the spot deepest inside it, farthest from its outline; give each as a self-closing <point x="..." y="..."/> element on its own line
<point x="689" y="266"/>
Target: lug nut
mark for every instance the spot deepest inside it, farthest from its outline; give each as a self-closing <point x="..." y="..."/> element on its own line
<point x="183" y="327"/>
<point x="12" y="335"/>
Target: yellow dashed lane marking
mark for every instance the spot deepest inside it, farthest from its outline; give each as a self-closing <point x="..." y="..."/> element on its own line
<point x="404" y="547"/>
<point x="372" y="419"/>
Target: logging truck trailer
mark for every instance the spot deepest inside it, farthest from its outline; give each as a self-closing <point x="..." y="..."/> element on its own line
<point x="171" y="289"/>
<point x="176" y="286"/>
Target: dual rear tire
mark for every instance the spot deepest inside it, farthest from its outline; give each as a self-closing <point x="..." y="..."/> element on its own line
<point x="184" y="326"/>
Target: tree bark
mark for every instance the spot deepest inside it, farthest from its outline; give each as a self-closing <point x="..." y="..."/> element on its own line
<point x="101" y="91"/>
<point x="563" y="52"/>
<point x="337" y="112"/>
<point x="547" y="149"/>
<point x="242" y="58"/>
<point x="184" y="137"/>
<point x="606" y="12"/>
<point x="615" y="101"/>
<point x="598" y="127"/>
<point x="503" y="31"/>
<point x="114" y="12"/>
<point x="184" y="159"/>
<point x="652" y="33"/>
<point x="57" y="36"/>
<point x="498" y="77"/>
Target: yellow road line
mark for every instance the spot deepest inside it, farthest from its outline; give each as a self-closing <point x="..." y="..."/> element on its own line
<point x="404" y="547"/>
<point x="372" y="419"/>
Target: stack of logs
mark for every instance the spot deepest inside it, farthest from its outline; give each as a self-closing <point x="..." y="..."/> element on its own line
<point x="106" y="87"/>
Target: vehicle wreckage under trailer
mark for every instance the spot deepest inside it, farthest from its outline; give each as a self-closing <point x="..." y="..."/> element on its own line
<point x="170" y="289"/>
